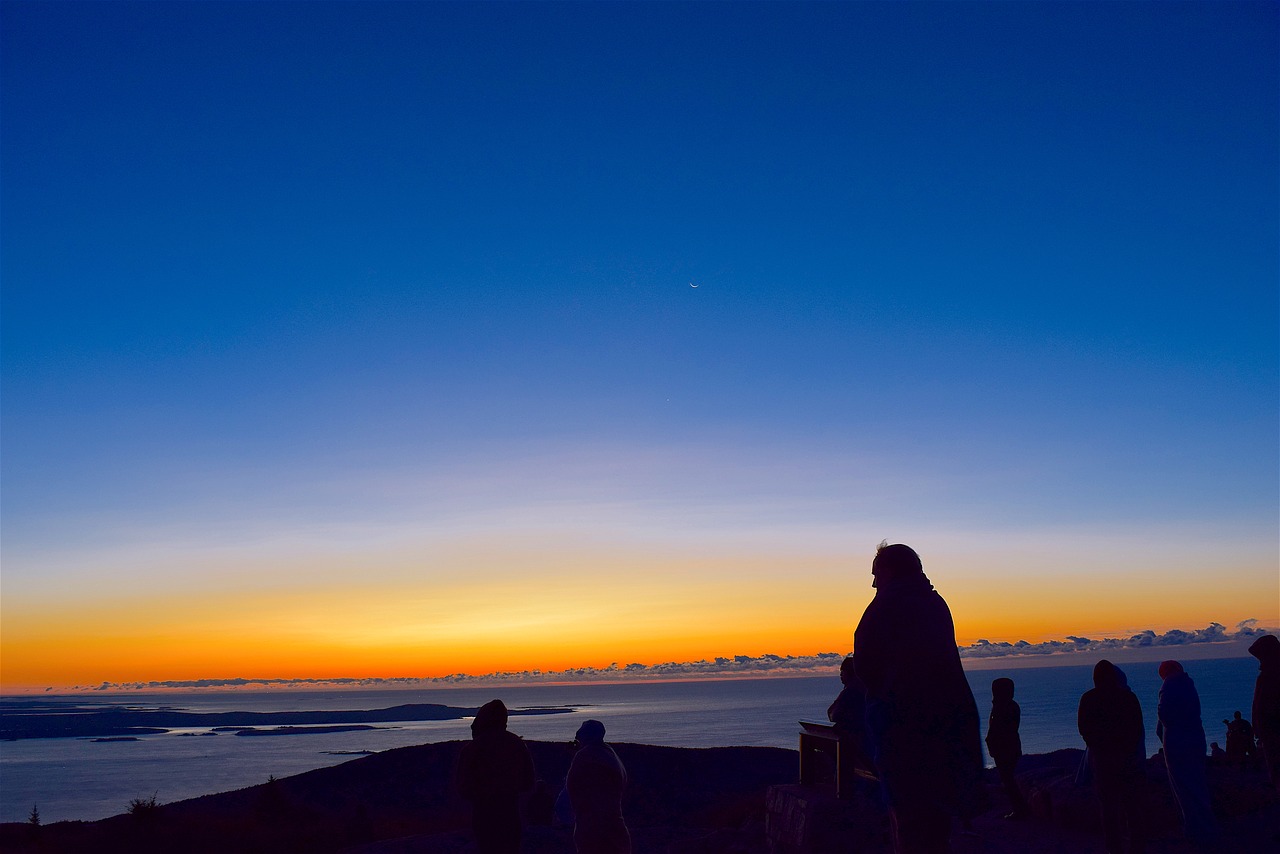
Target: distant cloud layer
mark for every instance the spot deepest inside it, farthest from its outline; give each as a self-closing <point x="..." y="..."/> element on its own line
<point x="1212" y="633"/>
<point x="738" y="665"/>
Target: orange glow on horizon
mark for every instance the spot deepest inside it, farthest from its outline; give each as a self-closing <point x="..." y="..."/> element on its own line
<point x="647" y="610"/>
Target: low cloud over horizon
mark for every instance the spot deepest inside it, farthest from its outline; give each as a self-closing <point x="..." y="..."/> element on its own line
<point x="1212" y="633"/>
<point x="738" y="665"/>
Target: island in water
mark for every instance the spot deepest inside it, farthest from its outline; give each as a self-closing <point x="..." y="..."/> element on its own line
<point x="77" y="721"/>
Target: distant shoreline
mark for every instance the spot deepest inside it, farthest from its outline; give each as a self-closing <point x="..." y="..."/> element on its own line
<point x="69" y="721"/>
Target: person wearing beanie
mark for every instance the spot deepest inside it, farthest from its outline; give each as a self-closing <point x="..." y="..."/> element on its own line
<point x="922" y="720"/>
<point x="494" y="769"/>
<point x="1181" y="732"/>
<point x="595" y="785"/>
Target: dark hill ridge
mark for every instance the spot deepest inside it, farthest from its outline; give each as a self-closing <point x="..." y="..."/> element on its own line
<point x="674" y="793"/>
<point x="679" y="801"/>
<point x="118" y="721"/>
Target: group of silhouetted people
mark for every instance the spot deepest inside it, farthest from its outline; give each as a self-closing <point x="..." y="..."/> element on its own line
<point x="906" y="707"/>
<point x="907" y="710"/>
<point x="1241" y="747"/>
<point x="495" y="768"/>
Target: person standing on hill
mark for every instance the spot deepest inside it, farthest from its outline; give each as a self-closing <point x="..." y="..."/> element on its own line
<point x="1110" y="721"/>
<point x="1181" y="732"/>
<point x="922" y="720"/>
<point x="494" y="769"/>
<point x="1239" y="740"/>
<point x="595" y="784"/>
<point x="1266" y="702"/>
<point x="1005" y="745"/>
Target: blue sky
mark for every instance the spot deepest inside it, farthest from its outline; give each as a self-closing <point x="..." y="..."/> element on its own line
<point x="331" y="275"/>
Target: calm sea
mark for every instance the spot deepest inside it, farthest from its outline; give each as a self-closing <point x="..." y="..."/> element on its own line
<point x="81" y="779"/>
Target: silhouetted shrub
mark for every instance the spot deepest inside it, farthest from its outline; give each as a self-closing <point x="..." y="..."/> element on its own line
<point x="144" y="807"/>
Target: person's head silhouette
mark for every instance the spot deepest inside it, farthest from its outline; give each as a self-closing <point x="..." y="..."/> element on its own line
<point x="1107" y="676"/>
<point x="591" y="732"/>
<point x="491" y="717"/>
<point x="1267" y="650"/>
<point x="848" y="675"/>
<point x="893" y="562"/>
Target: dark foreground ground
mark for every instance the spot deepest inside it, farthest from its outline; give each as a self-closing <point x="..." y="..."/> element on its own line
<point x="680" y="801"/>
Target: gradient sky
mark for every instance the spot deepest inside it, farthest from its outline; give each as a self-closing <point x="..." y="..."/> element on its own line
<point x="345" y="340"/>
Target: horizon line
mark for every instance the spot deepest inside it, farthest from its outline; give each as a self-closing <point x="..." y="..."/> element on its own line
<point x="982" y="654"/>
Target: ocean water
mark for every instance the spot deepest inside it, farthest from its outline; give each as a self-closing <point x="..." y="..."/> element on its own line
<point x="81" y="779"/>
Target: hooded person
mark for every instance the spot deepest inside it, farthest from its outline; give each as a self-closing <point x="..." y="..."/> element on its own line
<point x="1110" y="721"/>
<point x="922" y="721"/>
<point x="1084" y="774"/>
<point x="595" y="784"/>
<point x="1266" y="702"/>
<point x="1005" y="744"/>
<point x="494" y="769"/>
<point x="1181" y="732"/>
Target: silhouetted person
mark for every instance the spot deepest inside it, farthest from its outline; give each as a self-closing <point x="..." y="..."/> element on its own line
<point x="849" y="713"/>
<point x="1005" y="745"/>
<point x="1266" y="702"/>
<point x="595" y="784"/>
<point x="494" y="768"/>
<point x="1239" y="740"/>
<point x="1110" y="721"/>
<point x="921" y="717"/>
<point x="1216" y="753"/>
<point x="849" y="710"/>
<point x="1181" y="734"/>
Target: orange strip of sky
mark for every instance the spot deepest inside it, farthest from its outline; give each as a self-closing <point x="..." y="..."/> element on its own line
<point x="647" y="611"/>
